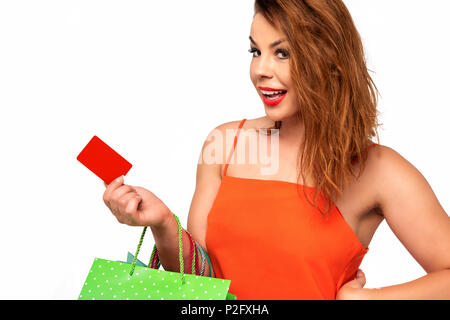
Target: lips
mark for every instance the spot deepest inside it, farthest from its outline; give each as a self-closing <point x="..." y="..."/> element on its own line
<point x="275" y="101"/>
<point x="270" y="89"/>
<point x="272" y="101"/>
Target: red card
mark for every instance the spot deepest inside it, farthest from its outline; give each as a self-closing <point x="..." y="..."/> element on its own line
<point x="102" y="160"/>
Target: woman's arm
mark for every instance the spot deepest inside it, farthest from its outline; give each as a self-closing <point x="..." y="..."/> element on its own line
<point x="208" y="180"/>
<point x="166" y="240"/>
<point x="435" y="286"/>
<point x="416" y="217"/>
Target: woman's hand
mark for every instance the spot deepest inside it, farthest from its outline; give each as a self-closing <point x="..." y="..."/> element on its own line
<point x="135" y="206"/>
<point x="353" y="289"/>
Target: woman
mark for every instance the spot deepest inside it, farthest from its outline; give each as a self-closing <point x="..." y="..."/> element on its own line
<point x="258" y="230"/>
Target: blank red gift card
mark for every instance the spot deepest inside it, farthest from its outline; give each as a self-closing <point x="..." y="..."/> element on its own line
<point x="102" y="160"/>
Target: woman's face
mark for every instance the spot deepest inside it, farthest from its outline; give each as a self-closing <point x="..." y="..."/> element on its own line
<point x="270" y="68"/>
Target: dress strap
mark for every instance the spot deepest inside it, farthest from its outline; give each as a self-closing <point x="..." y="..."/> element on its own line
<point x="355" y="159"/>
<point x="234" y="146"/>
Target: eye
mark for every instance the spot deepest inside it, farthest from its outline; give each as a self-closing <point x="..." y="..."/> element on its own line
<point x="251" y="50"/>
<point x="284" y="53"/>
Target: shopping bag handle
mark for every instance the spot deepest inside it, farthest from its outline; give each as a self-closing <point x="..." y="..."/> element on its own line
<point x="155" y="263"/>
<point x="154" y="259"/>
<point x="180" y="249"/>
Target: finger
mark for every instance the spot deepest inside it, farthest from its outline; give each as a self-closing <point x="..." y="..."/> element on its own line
<point x="111" y="187"/>
<point x="127" y="210"/>
<point x="120" y="197"/>
<point x="119" y="207"/>
<point x="109" y="197"/>
<point x="131" y="208"/>
<point x="360" y="278"/>
<point x="121" y="191"/>
<point x="359" y="273"/>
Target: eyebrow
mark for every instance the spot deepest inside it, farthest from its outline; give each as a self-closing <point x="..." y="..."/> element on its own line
<point x="274" y="44"/>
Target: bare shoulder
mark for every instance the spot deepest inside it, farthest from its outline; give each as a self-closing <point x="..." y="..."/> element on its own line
<point x="208" y="181"/>
<point x="362" y="200"/>
<point x="381" y="160"/>
<point x="259" y="123"/>
<point x="214" y="144"/>
<point x="256" y="123"/>
<point x="385" y="155"/>
<point x="411" y="208"/>
<point x="386" y="169"/>
<point x="229" y="125"/>
<point x="228" y="129"/>
<point x="363" y="193"/>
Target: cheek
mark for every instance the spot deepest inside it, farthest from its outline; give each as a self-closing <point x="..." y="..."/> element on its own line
<point x="292" y="102"/>
<point x="252" y="74"/>
<point x="285" y="76"/>
<point x="292" y="97"/>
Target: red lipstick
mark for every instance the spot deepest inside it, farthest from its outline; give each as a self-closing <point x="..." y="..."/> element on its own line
<point x="276" y="99"/>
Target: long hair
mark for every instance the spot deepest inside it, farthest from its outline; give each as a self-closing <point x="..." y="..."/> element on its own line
<point x="336" y="95"/>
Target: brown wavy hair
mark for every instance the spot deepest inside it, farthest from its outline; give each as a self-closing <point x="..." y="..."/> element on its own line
<point x="336" y="94"/>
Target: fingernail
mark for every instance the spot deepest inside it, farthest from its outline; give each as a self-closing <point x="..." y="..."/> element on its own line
<point x="359" y="273"/>
<point x="119" y="179"/>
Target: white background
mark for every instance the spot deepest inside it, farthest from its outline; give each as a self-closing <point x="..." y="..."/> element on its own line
<point x="152" y="79"/>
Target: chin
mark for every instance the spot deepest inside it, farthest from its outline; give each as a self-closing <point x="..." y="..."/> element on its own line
<point x="276" y="114"/>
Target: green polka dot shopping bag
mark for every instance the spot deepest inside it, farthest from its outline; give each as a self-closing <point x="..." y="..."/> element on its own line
<point x="117" y="280"/>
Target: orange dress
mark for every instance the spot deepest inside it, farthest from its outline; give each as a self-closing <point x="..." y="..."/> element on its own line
<point x="273" y="244"/>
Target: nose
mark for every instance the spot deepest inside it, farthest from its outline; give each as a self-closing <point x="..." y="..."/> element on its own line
<point x="264" y="67"/>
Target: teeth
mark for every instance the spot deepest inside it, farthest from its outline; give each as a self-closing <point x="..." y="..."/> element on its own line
<point x="270" y="92"/>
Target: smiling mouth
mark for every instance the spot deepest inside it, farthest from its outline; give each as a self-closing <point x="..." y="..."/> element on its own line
<point x="274" y="96"/>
